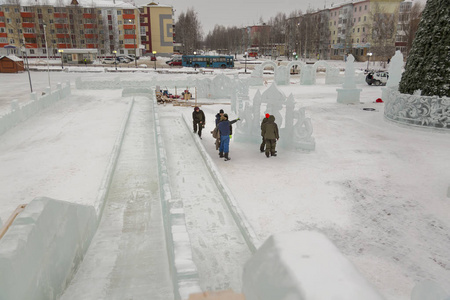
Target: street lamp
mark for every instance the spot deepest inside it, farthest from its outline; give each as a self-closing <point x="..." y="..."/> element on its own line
<point x="115" y="59"/>
<point x="28" y="67"/>
<point x="154" y="54"/>
<point x="369" y="54"/>
<point x="294" y="54"/>
<point x="246" y="54"/>
<point x="46" y="50"/>
<point x="62" y="58"/>
<point x="195" y="62"/>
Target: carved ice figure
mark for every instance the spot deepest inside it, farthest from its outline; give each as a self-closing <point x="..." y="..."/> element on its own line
<point x="332" y="76"/>
<point x="282" y="75"/>
<point x="303" y="130"/>
<point x="349" y="78"/>
<point x="256" y="78"/>
<point x="395" y="70"/>
<point x="307" y="75"/>
<point x="221" y="86"/>
<point x="349" y="94"/>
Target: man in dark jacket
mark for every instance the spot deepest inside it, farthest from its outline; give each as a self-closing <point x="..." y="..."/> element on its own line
<point x="225" y="130"/>
<point x="198" y="118"/>
<point x="263" y="143"/>
<point x="270" y="135"/>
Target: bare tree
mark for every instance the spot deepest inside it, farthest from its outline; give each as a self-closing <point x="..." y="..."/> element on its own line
<point x="383" y="29"/>
<point x="188" y="31"/>
<point x="413" y="24"/>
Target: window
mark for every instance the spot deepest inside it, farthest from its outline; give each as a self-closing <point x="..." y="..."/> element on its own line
<point x="364" y="18"/>
<point x="2" y="29"/>
<point x="8" y="21"/>
<point x="357" y="40"/>
<point x="360" y="8"/>
<point x="119" y="22"/>
<point x="11" y="41"/>
<point x="81" y="32"/>
<point x="364" y="29"/>
<point x="16" y="10"/>
<point x="355" y="9"/>
<point x="82" y="42"/>
<point x="119" y="12"/>
<point x="359" y="19"/>
<point x="10" y="30"/>
<point x="334" y="23"/>
<point x="44" y="51"/>
<point x="365" y="7"/>
<point x="49" y="11"/>
<point x="50" y="21"/>
<point x="6" y="9"/>
<point x="3" y="40"/>
<point x="358" y="29"/>
<point x="353" y="30"/>
<point x="31" y="51"/>
<point x="39" y="10"/>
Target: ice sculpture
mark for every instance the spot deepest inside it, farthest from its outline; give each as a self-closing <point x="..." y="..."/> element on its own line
<point x="349" y="94"/>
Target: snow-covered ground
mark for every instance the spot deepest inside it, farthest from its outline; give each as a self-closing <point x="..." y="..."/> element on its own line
<point x="376" y="189"/>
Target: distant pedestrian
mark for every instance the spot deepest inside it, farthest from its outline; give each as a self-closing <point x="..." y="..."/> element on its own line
<point x="198" y="119"/>
<point x="270" y="135"/>
<point x="218" y="115"/>
<point x="225" y="130"/>
<point x="263" y="123"/>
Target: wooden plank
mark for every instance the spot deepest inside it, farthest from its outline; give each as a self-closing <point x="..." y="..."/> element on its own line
<point x="11" y="219"/>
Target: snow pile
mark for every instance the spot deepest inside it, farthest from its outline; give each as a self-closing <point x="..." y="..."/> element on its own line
<point x="303" y="265"/>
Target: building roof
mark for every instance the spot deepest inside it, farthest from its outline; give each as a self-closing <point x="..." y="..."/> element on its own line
<point x="11" y="57"/>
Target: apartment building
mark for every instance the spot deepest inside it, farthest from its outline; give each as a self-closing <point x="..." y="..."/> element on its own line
<point x="105" y="26"/>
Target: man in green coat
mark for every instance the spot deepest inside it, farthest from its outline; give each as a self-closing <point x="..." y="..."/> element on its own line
<point x="263" y="124"/>
<point x="270" y="135"/>
<point x="198" y="120"/>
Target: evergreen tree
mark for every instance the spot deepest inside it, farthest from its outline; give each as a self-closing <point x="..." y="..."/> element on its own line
<point x="428" y="65"/>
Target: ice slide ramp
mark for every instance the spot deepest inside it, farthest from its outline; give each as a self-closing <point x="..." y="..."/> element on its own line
<point x="127" y="258"/>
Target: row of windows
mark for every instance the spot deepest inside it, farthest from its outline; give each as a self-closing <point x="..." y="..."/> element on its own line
<point x="339" y="40"/>
<point x="63" y="10"/>
<point x="344" y="21"/>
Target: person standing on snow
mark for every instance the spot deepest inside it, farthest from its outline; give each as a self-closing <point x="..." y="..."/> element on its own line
<point x="198" y="118"/>
<point x="270" y="135"/>
<point x="225" y="130"/>
<point x="218" y="116"/>
<point x="263" y="123"/>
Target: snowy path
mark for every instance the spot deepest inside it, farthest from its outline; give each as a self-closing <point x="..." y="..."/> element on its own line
<point x="219" y="250"/>
<point x="127" y="258"/>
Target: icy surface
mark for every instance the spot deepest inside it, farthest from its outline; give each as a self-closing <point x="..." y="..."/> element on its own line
<point x="303" y="265"/>
<point x="378" y="191"/>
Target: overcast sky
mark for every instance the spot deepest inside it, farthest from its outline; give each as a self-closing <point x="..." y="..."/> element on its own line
<point x="239" y="12"/>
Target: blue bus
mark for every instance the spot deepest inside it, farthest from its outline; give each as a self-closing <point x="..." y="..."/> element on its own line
<point x="208" y="61"/>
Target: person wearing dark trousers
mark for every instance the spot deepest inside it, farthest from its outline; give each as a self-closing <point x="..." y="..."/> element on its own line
<point x="225" y="131"/>
<point x="263" y="143"/>
<point x="270" y="134"/>
<point x="198" y="119"/>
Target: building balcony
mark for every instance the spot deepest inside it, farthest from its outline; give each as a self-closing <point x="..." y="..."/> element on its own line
<point x="3" y="45"/>
<point x="90" y="36"/>
<point x="60" y="15"/>
<point x="63" y="46"/>
<point x="130" y="46"/>
<point x="60" y="26"/>
<point x="88" y="16"/>
<point x="62" y="35"/>
<point x="91" y="46"/>
<point x="28" y="25"/>
<point x="89" y="25"/>
<point x="128" y="17"/>
<point x="128" y="26"/>
<point x="31" y="45"/>
<point x="29" y="35"/>
<point x="129" y="36"/>
<point x="2" y="14"/>
<point x="26" y="14"/>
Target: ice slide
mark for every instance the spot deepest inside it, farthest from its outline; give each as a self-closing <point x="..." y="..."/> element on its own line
<point x="127" y="258"/>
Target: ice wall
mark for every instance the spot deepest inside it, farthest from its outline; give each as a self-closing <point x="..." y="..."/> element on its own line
<point x="43" y="247"/>
<point x="303" y="265"/>
<point x="20" y="113"/>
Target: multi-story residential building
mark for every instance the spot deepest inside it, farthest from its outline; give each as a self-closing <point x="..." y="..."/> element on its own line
<point x="156" y="28"/>
<point x="107" y="27"/>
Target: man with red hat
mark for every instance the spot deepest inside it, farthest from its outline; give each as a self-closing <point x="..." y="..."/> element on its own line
<point x="263" y="123"/>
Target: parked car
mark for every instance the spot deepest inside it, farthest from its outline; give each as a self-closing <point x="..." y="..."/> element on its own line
<point x="123" y="59"/>
<point x="174" y="62"/>
<point x="108" y="61"/>
<point x="377" y="78"/>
